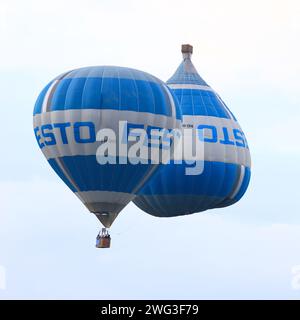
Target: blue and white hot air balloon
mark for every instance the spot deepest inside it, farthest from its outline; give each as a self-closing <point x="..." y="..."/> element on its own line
<point x="71" y="111"/>
<point x="225" y="172"/>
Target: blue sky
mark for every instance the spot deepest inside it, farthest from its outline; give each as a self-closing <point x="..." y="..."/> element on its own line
<point x="248" y="51"/>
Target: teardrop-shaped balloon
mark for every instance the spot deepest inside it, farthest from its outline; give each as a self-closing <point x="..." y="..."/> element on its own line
<point x="78" y="112"/>
<point x="225" y="166"/>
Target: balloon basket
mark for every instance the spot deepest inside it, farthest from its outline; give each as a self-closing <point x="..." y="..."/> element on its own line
<point x="103" y="239"/>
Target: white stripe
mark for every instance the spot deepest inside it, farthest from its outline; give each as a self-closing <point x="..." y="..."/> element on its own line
<point x="238" y="187"/>
<point x="102" y="119"/>
<point x="104" y="196"/>
<point x="173" y="108"/>
<point x="190" y="86"/>
<point x="217" y="151"/>
<point x="110" y="119"/>
<point x="45" y="101"/>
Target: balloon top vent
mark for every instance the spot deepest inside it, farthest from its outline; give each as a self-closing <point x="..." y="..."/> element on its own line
<point x="187" y="48"/>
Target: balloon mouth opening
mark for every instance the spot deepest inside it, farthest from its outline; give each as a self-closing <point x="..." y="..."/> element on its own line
<point x="106" y="218"/>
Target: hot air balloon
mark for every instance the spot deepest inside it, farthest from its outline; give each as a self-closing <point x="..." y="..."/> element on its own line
<point x="226" y="162"/>
<point x="74" y="116"/>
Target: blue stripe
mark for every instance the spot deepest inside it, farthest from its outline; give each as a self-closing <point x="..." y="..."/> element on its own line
<point x="200" y="103"/>
<point x="110" y="93"/>
<point x="172" y="205"/>
<point x="171" y="193"/>
<point x="89" y="175"/>
<point x="217" y="180"/>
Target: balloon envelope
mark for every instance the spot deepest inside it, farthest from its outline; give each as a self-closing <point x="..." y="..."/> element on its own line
<point x="225" y="161"/>
<point x="71" y="111"/>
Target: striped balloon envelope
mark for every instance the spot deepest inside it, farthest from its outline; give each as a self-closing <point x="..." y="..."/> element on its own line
<point x="224" y="161"/>
<point x="81" y="117"/>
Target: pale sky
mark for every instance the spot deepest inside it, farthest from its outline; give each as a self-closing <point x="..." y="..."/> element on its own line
<point x="248" y="51"/>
